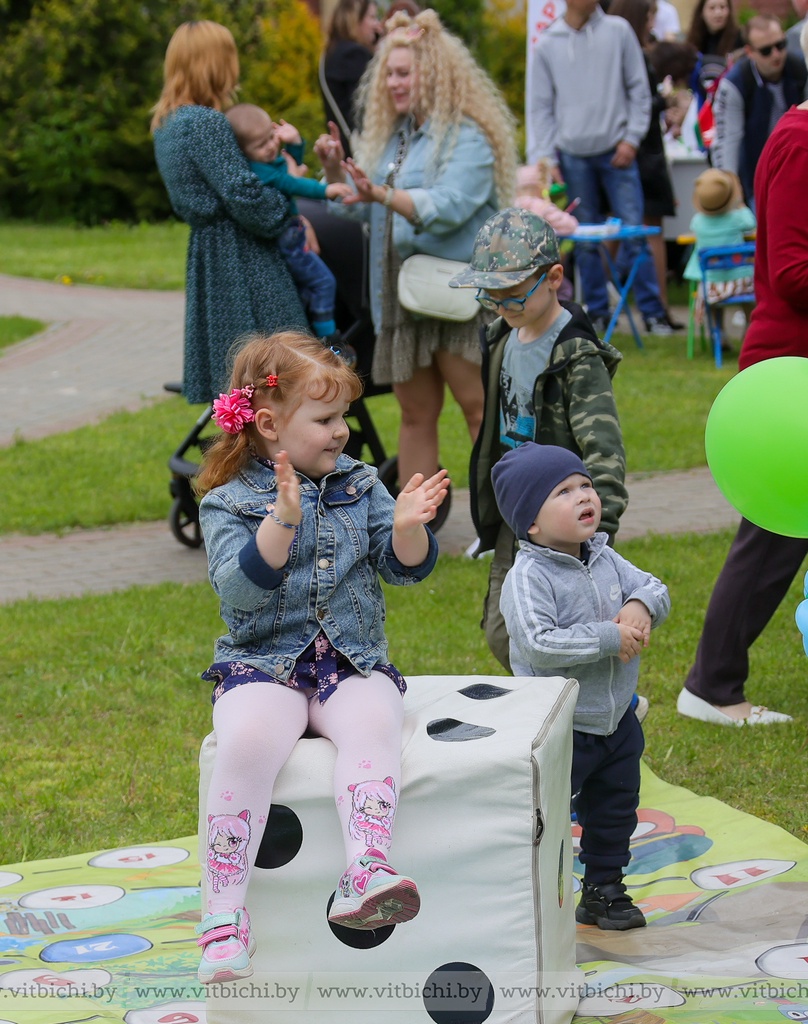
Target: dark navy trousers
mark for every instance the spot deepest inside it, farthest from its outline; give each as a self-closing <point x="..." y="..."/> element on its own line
<point x="605" y="796"/>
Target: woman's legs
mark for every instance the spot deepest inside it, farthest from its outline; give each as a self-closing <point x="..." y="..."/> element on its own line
<point x="756" y="575"/>
<point x="466" y="385"/>
<point x="659" y="253"/>
<point x="421" y="402"/>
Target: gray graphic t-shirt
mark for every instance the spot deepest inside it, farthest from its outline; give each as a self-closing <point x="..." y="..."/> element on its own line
<point x="521" y="365"/>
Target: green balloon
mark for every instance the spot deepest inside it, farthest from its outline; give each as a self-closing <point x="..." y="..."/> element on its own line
<point x="755" y="438"/>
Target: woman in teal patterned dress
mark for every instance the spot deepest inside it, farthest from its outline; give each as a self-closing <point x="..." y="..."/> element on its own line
<point x="237" y="282"/>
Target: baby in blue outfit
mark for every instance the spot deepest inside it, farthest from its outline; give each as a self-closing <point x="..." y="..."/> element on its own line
<point x="275" y="152"/>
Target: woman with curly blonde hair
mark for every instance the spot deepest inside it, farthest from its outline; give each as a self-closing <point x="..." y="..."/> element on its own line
<point x="436" y="159"/>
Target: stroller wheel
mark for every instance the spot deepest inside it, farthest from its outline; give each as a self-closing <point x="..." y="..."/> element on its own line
<point x="388" y="474"/>
<point x="185" y="527"/>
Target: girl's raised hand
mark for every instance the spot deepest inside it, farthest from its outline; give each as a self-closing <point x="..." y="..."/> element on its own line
<point x="419" y="499"/>
<point x="287" y="503"/>
<point x="278" y="529"/>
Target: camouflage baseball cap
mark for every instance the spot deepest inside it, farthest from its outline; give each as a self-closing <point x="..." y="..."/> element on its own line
<point x="508" y="248"/>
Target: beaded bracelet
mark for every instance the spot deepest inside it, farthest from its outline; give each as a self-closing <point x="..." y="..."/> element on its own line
<point x="388" y="197"/>
<point x="273" y="515"/>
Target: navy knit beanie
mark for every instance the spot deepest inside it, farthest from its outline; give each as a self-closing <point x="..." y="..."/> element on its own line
<point x="524" y="477"/>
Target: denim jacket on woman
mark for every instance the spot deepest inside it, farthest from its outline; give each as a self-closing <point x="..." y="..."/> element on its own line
<point x="330" y="581"/>
<point x="453" y="197"/>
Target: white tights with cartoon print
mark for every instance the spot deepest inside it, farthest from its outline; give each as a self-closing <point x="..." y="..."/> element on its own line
<point x="257" y="726"/>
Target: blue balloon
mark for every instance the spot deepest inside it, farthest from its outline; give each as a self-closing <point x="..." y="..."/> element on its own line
<point x="801" y="615"/>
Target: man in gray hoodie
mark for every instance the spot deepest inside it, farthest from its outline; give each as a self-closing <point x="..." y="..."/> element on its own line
<point x="591" y="106"/>
<point x="574" y="607"/>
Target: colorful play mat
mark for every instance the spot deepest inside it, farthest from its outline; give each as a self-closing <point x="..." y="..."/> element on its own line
<point x="108" y="937"/>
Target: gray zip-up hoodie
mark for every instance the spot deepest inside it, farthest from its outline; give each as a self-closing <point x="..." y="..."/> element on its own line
<point x="588" y="88"/>
<point x="559" y="613"/>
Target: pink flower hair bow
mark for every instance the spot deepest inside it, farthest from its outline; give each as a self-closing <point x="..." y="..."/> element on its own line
<point x="232" y="412"/>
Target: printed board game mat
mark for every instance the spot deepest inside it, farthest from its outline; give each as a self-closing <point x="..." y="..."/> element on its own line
<point x="726" y="899"/>
<point x="108" y="937"/>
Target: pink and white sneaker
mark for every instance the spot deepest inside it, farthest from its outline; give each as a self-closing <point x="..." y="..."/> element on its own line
<point x="372" y="894"/>
<point x="226" y="947"/>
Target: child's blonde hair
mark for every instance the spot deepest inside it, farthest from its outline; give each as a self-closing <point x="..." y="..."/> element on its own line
<point x="304" y="368"/>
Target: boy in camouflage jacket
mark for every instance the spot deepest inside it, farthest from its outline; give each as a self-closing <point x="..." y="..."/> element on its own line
<point x="516" y="268"/>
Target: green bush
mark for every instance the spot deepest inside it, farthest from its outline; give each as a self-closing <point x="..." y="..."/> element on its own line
<point x="281" y="72"/>
<point x="503" y="53"/>
<point x="76" y="82"/>
<point x="462" y="17"/>
<point x="78" y="79"/>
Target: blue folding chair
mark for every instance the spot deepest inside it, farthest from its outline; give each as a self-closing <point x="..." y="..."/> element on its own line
<point x="718" y="259"/>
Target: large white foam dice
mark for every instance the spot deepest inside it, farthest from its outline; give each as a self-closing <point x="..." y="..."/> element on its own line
<point x="483" y="826"/>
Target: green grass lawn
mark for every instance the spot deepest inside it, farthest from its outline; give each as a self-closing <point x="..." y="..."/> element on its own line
<point x="117" y="255"/>
<point x="17" y="328"/>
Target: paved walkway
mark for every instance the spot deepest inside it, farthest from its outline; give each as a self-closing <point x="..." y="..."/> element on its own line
<point x="107" y="349"/>
<point x="104" y="349"/>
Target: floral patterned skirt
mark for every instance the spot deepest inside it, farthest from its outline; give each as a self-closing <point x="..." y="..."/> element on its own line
<point x="319" y="669"/>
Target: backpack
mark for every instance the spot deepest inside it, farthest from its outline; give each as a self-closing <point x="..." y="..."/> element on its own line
<point x="706" y="117"/>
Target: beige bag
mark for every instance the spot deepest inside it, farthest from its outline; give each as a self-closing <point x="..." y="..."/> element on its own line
<point x="423" y="289"/>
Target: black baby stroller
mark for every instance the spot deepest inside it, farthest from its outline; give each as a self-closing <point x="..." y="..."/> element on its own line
<point x="343" y="247"/>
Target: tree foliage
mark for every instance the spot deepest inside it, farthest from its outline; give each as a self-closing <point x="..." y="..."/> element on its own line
<point x="282" y="74"/>
<point x="73" y="80"/>
<point x="78" y="79"/>
<point x="502" y="51"/>
<point x="462" y="17"/>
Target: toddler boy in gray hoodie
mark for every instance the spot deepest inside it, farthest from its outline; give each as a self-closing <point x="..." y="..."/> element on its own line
<point x="574" y="607"/>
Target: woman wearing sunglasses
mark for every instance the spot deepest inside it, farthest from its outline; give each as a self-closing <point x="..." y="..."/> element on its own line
<point x="752" y="97"/>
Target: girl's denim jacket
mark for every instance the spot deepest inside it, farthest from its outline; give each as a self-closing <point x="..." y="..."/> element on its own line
<point x="330" y="581"/>
<point x="453" y="198"/>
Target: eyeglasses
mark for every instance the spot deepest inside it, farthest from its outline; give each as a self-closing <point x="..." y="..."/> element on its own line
<point x="766" y="51"/>
<point x="511" y="305"/>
